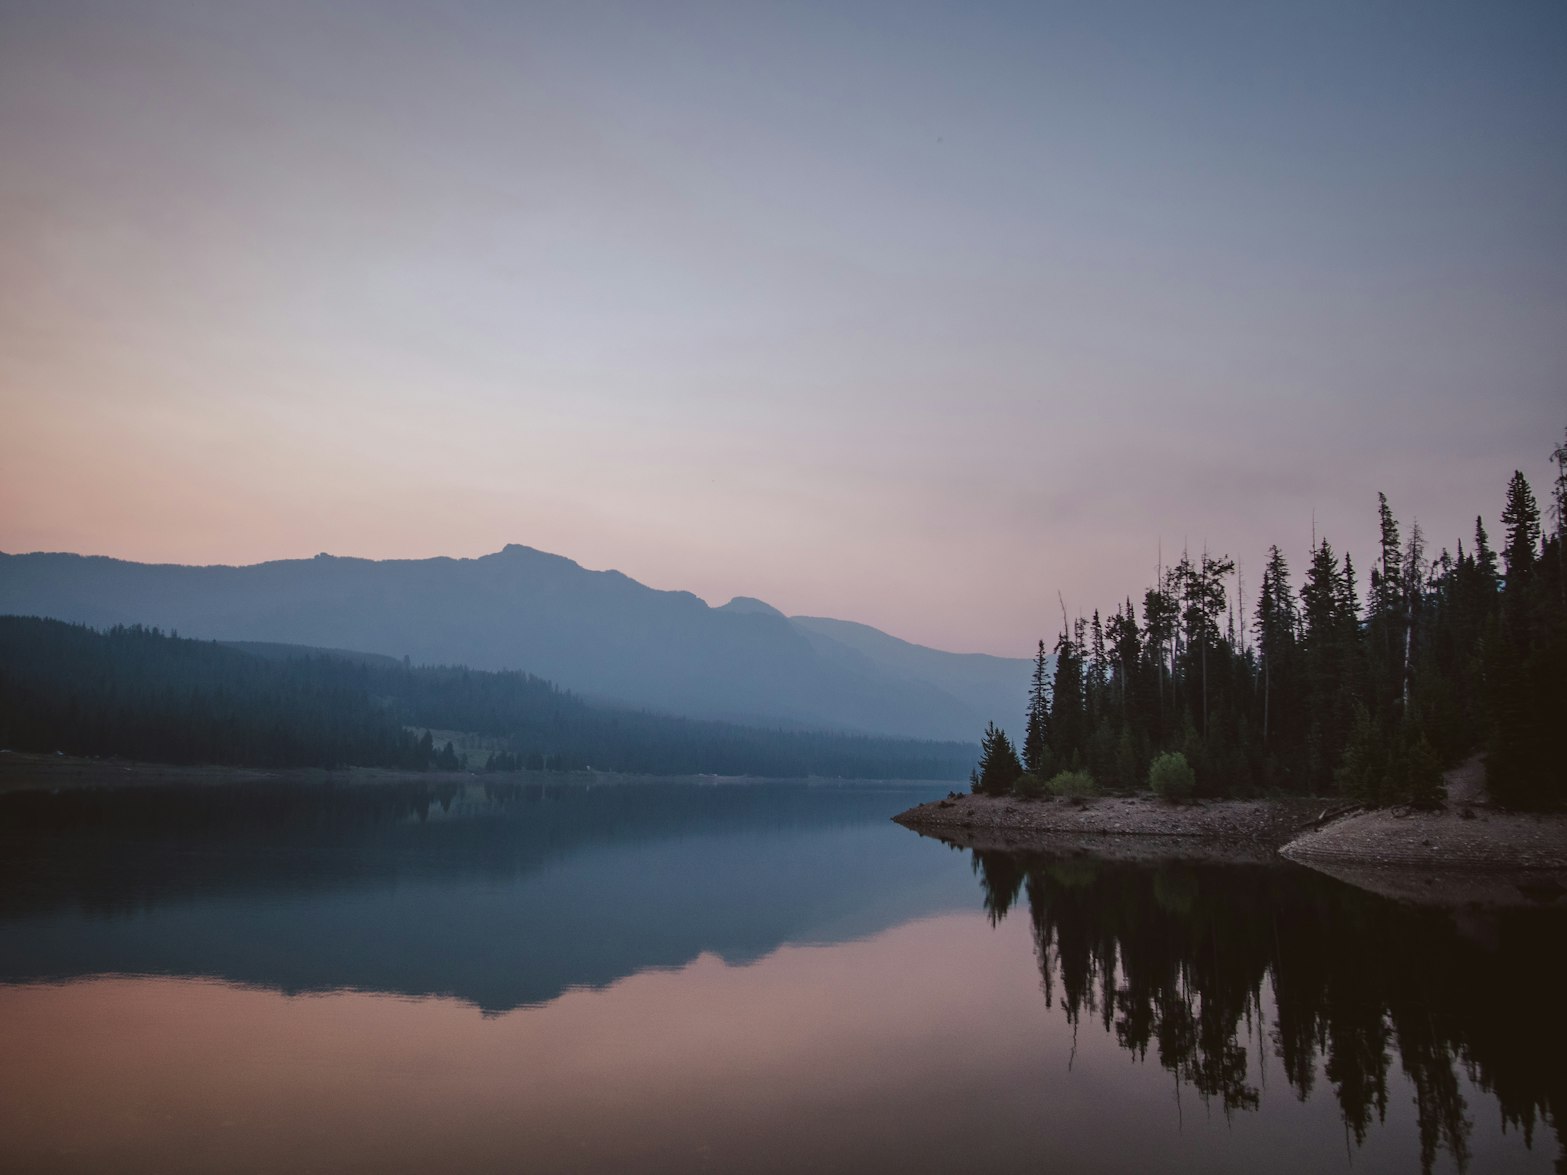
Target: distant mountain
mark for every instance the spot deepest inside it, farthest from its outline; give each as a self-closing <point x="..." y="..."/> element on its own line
<point x="598" y="633"/>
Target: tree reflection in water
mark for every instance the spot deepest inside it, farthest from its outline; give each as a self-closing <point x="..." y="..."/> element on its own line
<point x="1202" y="964"/>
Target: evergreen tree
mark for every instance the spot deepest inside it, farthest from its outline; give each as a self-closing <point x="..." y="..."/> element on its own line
<point x="1526" y="685"/>
<point x="1203" y="603"/>
<point x="1159" y="617"/>
<point x="1413" y="591"/>
<point x="1126" y="651"/>
<point x="1098" y="666"/>
<point x="1328" y="648"/>
<point x="1387" y="579"/>
<point x="1485" y="558"/>
<point x="1275" y="627"/>
<point x="1521" y="517"/>
<point x="998" y="768"/>
<point x="1036" y="737"/>
<point x="1068" y="722"/>
<point x="1388" y="620"/>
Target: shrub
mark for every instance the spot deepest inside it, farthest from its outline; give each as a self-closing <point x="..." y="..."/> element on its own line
<point x="1171" y="777"/>
<point x="1073" y="785"/>
<point x="1028" y="786"/>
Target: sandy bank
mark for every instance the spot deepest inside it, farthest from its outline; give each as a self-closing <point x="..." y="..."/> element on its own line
<point x="1467" y="854"/>
<point x="1468" y="839"/>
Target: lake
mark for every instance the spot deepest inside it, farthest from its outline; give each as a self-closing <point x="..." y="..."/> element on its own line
<point x="673" y="976"/>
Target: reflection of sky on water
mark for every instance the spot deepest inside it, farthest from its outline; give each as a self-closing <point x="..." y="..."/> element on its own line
<point x="924" y="1047"/>
<point x="669" y="977"/>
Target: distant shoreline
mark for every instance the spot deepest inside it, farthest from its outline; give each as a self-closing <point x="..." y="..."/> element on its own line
<point x="25" y="771"/>
<point x="31" y="771"/>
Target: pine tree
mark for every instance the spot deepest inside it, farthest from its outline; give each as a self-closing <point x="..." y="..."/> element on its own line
<point x="1068" y="721"/>
<point x="1204" y="604"/>
<point x="1388" y="621"/>
<point x="1327" y="647"/>
<point x="1349" y="602"/>
<point x="1413" y="591"/>
<point x="1388" y="579"/>
<point x="1485" y="558"/>
<point x="1098" y="666"/>
<point x="1124" y="641"/>
<point x="1521" y="517"/>
<point x="1036" y="737"/>
<point x="1526" y="686"/>
<point x="1274" y="627"/>
<point x="999" y="768"/>
<point x="1159" y="617"/>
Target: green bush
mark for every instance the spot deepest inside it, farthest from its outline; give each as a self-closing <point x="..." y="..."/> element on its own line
<point x="1073" y="785"/>
<point x="1028" y="786"/>
<point x="1171" y="777"/>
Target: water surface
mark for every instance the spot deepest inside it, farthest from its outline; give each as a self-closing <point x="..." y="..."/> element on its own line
<point x="669" y="976"/>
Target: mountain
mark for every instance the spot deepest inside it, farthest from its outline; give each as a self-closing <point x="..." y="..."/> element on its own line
<point x="994" y="687"/>
<point x="599" y="633"/>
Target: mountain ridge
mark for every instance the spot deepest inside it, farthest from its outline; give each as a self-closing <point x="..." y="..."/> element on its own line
<point x="602" y="634"/>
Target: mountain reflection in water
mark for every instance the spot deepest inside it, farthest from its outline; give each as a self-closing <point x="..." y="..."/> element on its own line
<point x="502" y="894"/>
<point x="662" y="975"/>
<point x="1202" y="963"/>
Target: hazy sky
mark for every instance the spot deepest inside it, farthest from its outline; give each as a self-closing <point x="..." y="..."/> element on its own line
<point x="909" y="314"/>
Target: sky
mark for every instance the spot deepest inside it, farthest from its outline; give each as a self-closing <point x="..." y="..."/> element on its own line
<point x="931" y="316"/>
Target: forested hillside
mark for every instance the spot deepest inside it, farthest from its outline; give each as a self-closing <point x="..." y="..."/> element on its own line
<point x="600" y="634"/>
<point x="1317" y="691"/>
<point x="138" y="693"/>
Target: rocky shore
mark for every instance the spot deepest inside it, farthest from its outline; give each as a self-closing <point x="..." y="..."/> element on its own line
<point x="1202" y="827"/>
<point x="1466" y="853"/>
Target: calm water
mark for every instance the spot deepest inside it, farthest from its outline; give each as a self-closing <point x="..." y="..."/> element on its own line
<point x="677" y="977"/>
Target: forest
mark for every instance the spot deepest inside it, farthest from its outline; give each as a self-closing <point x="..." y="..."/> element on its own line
<point x="1316" y="691"/>
<point x="137" y="693"/>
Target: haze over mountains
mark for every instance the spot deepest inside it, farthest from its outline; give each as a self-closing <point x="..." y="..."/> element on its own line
<point x="597" y="633"/>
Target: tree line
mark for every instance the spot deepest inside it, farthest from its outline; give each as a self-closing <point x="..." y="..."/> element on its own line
<point x="1320" y="692"/>
<point x="138" y="693"/>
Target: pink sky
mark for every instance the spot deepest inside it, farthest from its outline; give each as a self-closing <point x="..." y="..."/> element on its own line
<point x="913" y="325"/>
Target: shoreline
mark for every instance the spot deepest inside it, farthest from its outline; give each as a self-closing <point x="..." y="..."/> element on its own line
<point x="1264" y="825"/>
<point x="33" y="771"/>
<point x="30" y="771"/>
<point x="1468" y="854"/>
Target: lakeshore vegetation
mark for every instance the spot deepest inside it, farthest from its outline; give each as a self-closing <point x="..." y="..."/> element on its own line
<point x="1316" y="691"/>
